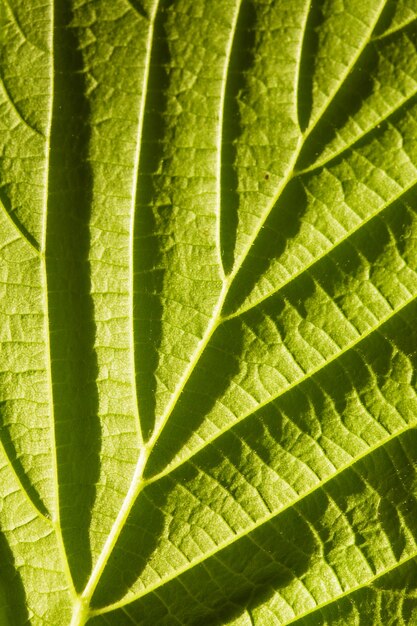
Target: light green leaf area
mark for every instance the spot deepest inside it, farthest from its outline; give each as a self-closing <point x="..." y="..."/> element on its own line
<point x="208" y="346"/>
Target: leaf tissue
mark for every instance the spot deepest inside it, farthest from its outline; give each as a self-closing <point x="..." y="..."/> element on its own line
<point x="208" y="338"/>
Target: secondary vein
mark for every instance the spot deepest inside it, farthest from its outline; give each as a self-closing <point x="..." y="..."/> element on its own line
<point x="136" y="483"/>
<point x="257" y="524"/>
<point x="56" y="513"/>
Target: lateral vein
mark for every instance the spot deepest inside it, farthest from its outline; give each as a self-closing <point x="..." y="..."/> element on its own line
<point x="265" y="519"/>
<point x="56" y="514"/>
<point x="136" y="483"/>
<point x="274" y="397"/>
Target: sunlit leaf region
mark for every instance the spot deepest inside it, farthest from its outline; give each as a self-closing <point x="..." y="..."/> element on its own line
<point x="208" y="338"/>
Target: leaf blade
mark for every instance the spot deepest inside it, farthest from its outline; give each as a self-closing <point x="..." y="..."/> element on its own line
<point x="226" y="281"/>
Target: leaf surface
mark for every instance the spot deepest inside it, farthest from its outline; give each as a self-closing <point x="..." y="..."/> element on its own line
<point x="207" y="339"/>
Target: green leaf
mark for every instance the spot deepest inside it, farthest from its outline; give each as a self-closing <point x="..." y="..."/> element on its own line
<point x="208" y="271"/>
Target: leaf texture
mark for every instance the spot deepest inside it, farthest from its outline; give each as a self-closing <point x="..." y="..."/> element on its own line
<point x="208" y="271"/>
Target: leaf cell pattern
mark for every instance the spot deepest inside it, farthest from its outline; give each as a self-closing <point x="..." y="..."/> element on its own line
<point x="208" y="276"/>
